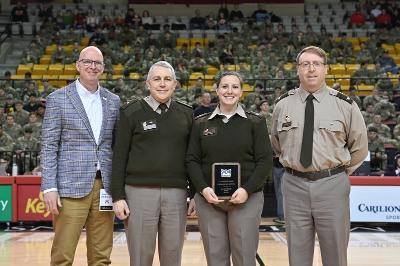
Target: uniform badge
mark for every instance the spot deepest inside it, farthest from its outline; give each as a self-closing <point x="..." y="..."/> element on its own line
<point x="210" y="131"/>
<point x="288" y="122"/>
<point x="149" y="125"/>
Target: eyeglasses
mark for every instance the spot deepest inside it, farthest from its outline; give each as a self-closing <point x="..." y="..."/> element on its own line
<point x="315" y="64"/>
<point x="88" y="63"/>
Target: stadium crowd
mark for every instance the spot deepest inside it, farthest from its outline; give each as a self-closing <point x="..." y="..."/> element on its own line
<point x="259" y="47"/>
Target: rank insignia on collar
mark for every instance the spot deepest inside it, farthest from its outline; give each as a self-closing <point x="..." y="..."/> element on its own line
<point x="287" y="118"/>
<point x="210" y="131"/>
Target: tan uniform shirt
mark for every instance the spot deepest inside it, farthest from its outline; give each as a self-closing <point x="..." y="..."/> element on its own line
<point x="340" y="135"/>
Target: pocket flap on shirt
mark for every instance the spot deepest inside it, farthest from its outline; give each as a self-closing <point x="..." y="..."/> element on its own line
<point x="331" y="125"/>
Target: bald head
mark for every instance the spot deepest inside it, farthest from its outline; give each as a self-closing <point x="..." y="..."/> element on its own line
<point x="89" y="49"/>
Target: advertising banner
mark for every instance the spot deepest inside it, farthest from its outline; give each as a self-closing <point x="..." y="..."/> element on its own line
<point x="5" y="203"/>
<point x="375" y="204"/>
<point x="31" y="206"/>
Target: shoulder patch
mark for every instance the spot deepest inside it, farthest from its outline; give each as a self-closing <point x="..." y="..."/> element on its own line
<point x="184" y="104"/>
<point x="344" y="97"/>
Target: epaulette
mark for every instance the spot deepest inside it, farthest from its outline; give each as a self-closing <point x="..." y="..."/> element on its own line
<point x="286" y="94"/>
<point x="254" y="114"/>
<point x="344" y="97"/>
<point x="184" y="104"/>
<point x="126" y="105"/>
<point x="202" y="115"/>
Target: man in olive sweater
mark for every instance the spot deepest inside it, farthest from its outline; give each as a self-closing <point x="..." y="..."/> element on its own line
<point x="149" y="176"/>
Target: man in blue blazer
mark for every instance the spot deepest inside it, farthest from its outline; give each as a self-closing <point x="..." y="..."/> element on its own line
<point x="76" y="157"/>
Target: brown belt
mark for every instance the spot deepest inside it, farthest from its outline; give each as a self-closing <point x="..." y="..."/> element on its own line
<point x="98" y="174"/>
<point x="313" y="176"/>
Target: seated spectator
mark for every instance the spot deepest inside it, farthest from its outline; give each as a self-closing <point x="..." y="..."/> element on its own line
<point x="3" y="114"/>
<point x="27" y="149"/>
<point x="382" y="129"/>
<point x="6" y="142"/>
<point x="11" y="128"/>
<point x="40" y="113"/>
<point x="92" y="20"/>
<point x="261" y="15"/>
<point x="385" y="108"/>
<point x="376" y="148"/>
<point x="373" y="98"/>
<point x="222" y="22"/>
<point x="20" y="115"/>
<point x="236" y="14"/>
<point x="396" y="132"/>
<point x="34" y="125"/>
<point x="147" y="21"/>
<point x="205" y="105"/>
<point x="19" y="13"/>
<point x="364" y="56"/>
<point x="198" y="64"/>
<point x="368" y="114"/>
<point x="32" y="104"/>
<point x="197" y="22"/>
<point x="383" y="20"/>
<point x="387" y="63"/>
<point x="353" y="95"/>
<point x="357" y="19"/>
<point x="58" y="56"/>
<point x="178" y="24"/>
<point x="98" y="38"/>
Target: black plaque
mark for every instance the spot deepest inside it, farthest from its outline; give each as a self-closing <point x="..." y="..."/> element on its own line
<point x="225" y="179"/>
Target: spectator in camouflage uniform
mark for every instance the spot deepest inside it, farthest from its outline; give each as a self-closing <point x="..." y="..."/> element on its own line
<point x="396" y="132"/>
<point x="34" y="125"/>
<point x="58" y="56"/>
<point x="368" y="114"/>
<point x="363" y="75"/>
<point x="264" y="110"/>
<point x="20" y="115"/>
<point x="27" y="149"/>
<point x="354" y="97"/>
<point x="385" y="108"/>
<point x="6" y="142"/>
<point x="374" y="98"/>
<point x="377" y="151"/>
<point x="383" y="130"/>
<point x="11" y="128"/>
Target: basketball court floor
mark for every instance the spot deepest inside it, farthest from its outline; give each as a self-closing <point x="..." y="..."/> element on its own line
<point x="369" y="246"/>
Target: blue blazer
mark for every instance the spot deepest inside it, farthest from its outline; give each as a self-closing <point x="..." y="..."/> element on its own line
<point x="69" y="152"/>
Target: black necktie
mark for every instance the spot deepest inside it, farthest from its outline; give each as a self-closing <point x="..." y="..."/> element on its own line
<point x="308" y="132"/>
<point x="163" y="107"/>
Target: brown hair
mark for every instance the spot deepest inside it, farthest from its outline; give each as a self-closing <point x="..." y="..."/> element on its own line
<point x="314" y="50"/>
<point x="228" y="73"/>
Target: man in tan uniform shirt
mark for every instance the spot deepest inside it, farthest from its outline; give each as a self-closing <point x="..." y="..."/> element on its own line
<point x="316" y="196"/>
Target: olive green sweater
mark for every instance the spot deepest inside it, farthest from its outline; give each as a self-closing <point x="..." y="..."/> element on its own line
<point x="150" y="148"/>
<point x="242" y="140"/>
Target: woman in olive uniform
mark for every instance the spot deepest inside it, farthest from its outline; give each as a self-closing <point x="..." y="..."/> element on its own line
<point x="229" y="134"/>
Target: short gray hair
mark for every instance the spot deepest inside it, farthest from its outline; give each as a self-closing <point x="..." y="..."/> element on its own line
<point x="161" y="64"/>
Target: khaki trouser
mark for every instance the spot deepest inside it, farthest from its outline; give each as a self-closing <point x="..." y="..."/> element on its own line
<point x="76" y="214"/>
<point x="155" y="210"/>
<point x="230" y="229"/>
<point x="320" y="207"/>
